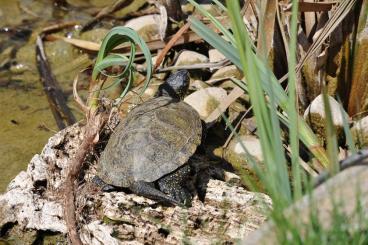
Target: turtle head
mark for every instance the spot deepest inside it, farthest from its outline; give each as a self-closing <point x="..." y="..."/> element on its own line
<point x="176" y="86"/>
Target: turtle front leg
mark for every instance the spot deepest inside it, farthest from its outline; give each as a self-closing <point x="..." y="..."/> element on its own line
<point x="148" y="190"/>
<point x="174" y="185"/>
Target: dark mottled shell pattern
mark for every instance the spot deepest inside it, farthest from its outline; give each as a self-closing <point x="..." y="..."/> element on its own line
<point x="155" y="139"/>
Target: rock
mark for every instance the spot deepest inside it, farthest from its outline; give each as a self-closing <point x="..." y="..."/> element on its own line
<point x="316" y="117"/>
<point x="33" y="203"/>
<point x="232" y="178"/>
<point x="204" y="101"/>
<point x="248" y="126"/>
<point x="226" y="72"/>
<point x="95" y="35"/>
<point x="215" y="55"/>
<point x="147" y="26"/>
<point x="360" y="132"/>
<point x="236" y="155"/>
<point x="190" y="57"/>
<point x="332" y="197"/>
<point x="198" y="85"/>
<point x="235" y="110"/>
<point x="134" y="98"/>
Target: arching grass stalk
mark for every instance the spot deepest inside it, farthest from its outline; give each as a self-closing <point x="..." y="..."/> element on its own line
<point x="106" y="59"/>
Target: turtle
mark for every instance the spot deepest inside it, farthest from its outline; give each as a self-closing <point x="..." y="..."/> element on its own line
<point x="149" y="151"/>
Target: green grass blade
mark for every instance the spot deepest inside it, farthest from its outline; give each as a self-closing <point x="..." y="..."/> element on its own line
<point x="331" y="136"/>
<point x="292" y="105"/>
<point x="217" y="23"/>
<point x="349" y="138"/>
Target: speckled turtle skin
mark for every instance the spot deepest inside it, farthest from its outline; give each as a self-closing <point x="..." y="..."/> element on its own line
<point x="148" y="151"/>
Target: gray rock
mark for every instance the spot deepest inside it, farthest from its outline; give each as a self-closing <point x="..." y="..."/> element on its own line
<point x="316" y="117"/>
<point x="226" y="72"/>
<point x="206" y="100"/>
<point x="215" y="55"/>
<point x="236" y="155"/>
<point x="188" y="57"/>
<point x="360" y="132"/>
<point x="147" y="26"/>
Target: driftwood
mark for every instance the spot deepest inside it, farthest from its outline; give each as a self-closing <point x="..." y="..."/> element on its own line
<point x="60" y="110"/>
<point x="33" y="203"/>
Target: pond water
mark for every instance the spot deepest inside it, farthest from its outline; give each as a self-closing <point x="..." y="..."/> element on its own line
<point x="26" y="121"/>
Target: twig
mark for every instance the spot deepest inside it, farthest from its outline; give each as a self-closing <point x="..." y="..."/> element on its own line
<point x="62" y="114"/>
<point x="218" y="64"/>
<point x="170" y="44"/>
<point x="76" y="96"/>
<point x="59" y="26"/>
<point x="152" y="45"/>
<point x="236" y="127"/>
<point x="91" y="134"/>
<point x="224" y="104"/>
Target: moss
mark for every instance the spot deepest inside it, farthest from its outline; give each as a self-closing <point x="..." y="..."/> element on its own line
<point x="109" y="221"/>
<point x="212" y="104"/>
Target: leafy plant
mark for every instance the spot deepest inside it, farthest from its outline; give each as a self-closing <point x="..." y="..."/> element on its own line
<point x="106" y="58"/>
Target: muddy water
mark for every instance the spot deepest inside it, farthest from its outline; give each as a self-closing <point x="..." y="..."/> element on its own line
<point x="26" y="121"/>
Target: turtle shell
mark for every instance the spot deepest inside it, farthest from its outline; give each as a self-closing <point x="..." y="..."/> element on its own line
<point x="155" y="139"/>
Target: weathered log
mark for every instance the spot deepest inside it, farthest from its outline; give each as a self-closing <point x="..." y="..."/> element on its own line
<point x="33" y="202"/>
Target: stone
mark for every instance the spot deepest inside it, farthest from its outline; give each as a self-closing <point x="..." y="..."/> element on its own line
<point x="198" y="85"/>
<point x="236" y="155"/>
<point x="215" y="55"/>
<point x="95" y="35"/>
<point x="206" y="100"/>
<point x="147" y="26"/>
<point x="316" y="117"/>
<point x="226" y="72"/>
<point x="232" y="178"/>
<point x="359" y="132"/>
<point x="188" y="57"/>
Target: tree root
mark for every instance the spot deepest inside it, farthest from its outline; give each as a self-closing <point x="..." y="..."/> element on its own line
<point x="94" y="124"/>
